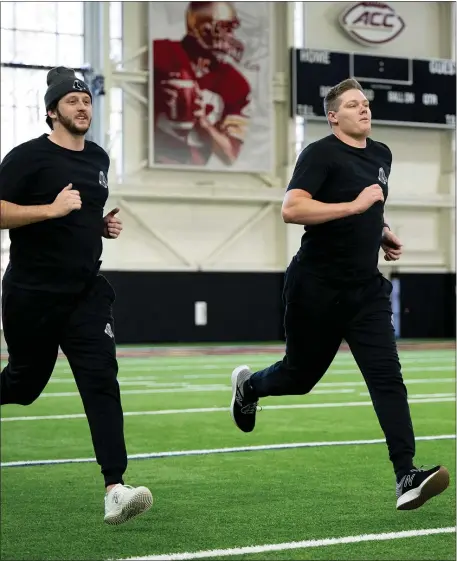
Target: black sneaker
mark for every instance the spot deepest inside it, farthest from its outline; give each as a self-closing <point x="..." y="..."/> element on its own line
<point x="420" y="485"/>
<point x="243" y="408"/>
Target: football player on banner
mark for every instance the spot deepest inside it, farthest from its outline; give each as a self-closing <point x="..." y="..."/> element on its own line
<point x="201" y="100"/>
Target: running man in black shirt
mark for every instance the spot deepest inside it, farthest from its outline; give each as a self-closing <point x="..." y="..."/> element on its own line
<point x="53" y="190"/>
<point x="334" y="290"/>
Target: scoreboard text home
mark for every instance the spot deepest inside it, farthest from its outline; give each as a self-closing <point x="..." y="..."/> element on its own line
<point x="402" y="91"/>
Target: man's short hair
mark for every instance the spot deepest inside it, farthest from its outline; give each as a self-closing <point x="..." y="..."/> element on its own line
<point x="332" y="99"/>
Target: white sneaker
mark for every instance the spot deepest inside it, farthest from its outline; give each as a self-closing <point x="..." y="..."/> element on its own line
<point x="124" y="502"/>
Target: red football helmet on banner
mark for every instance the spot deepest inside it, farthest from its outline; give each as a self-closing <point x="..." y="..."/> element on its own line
<point x="213" y="25"/>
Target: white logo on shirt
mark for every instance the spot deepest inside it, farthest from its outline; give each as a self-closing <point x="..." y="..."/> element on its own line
<point x="102" y="180"/>
<point x="382" y="176"/>
<point x="109" y="331"/>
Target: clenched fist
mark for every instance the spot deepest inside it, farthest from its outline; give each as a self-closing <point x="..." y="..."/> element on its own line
<point x="391" y="246"/>
<point x="65" y="202"/>
<point x="112" y="224"/>
<point x="367" y="198"/>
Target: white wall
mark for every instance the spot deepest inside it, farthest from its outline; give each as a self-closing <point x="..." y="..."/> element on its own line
<point x="427" y="33"/>
<point x="190" y="220"/>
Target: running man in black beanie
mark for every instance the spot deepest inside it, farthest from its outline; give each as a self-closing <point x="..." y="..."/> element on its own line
<point x="53" y="190"/>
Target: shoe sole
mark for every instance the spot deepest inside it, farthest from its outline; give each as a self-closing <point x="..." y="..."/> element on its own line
<point x="138" y="504"/>
<point x="235" y="375"/>
<point x="430" y="487"/>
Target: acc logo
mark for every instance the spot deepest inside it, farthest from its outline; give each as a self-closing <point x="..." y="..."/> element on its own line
<point x="371" y="23"/>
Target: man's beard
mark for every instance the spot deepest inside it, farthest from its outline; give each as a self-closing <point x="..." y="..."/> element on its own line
<point x="68" y="124"/>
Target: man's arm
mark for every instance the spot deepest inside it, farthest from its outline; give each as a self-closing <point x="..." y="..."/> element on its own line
<point x="15" y="216"/>
<point x="310" y="173"/>
<point x="299" y="208"/>
<point x="386" y="231"/>
<point x="225" y="147"/>
<point x="16" y="172"/>
<point x="391" y="245"/>
<point x="228" y="137"/>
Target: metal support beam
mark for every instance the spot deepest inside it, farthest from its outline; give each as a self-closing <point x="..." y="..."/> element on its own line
<point x="97" y="55"/>
<point x="123" y="76"/>
<point x="138" y="53"/>
<point x="214" y="197"/>
<point x="148" y="228"/>
<point x="233" y="237"/>
<point x="136" y="192"/>
<point x="133" y="93"/>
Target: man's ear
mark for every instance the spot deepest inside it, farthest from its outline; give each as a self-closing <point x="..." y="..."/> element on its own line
<point x="332" y="119"/>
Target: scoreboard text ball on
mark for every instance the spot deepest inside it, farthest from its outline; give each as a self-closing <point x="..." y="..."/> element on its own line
<point x="401" y="91"/>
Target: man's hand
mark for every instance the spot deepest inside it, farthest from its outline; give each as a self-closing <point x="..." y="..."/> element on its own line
<point x="367" y="198"/>
<point x="66" y="201"/>
<point x="113" y="225"/>
<point x="200" y="112"/>
<point x="391" y="246"/>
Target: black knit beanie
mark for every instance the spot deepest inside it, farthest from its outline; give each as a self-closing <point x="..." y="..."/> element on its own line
<point x="62" y="81"/>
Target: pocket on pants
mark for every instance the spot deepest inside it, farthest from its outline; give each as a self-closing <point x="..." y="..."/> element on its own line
<point x="106" y="288"/>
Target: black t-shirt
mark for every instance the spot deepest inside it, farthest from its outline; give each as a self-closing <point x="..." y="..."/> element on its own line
<point x="61" y="254"/>
<point x="347" y="249"/>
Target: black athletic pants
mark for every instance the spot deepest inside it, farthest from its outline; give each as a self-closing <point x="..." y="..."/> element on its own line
<point x="318" y="316"/>
<point x="35" y="323"/>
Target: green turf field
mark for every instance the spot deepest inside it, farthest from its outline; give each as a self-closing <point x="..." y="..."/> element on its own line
<point x="328" y="494"/>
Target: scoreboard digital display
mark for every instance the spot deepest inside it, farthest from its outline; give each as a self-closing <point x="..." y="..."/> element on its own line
<point x="401" y="91"/>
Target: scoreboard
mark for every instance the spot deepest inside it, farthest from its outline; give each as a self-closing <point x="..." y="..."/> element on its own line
<point x="401" y="91"/>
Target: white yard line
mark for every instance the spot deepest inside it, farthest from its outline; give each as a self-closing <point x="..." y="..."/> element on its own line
<point x="333" y="372"/>
<point x="261" y="359"/>
<point x="166" y="369"/>
<point x="224" y="409"/>
<point x="210" y="451"/>
<point x="419" y="395"/>
<point x="294" y="545"/>
<point x="191" y="388"/>
<point x="159" y="379"/>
